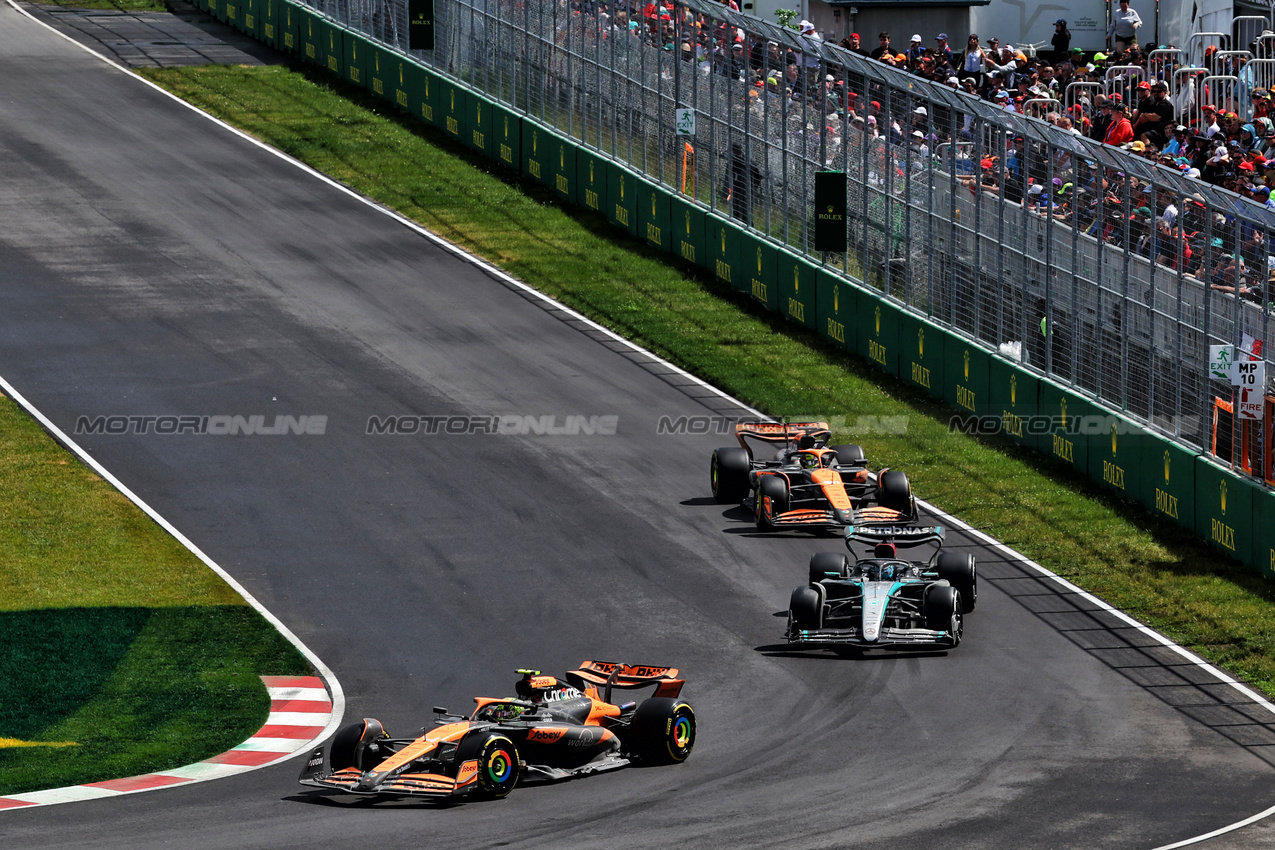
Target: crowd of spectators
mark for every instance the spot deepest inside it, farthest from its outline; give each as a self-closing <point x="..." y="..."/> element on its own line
<point x="1215" y="145"/>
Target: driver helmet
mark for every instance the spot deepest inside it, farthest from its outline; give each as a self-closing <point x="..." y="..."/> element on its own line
<point x="886" y="572"/>
<point x="809" y="460"/>
<point x="505" y="712"/>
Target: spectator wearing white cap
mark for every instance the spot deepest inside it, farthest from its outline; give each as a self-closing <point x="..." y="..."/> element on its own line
<point x="810" y="53"/>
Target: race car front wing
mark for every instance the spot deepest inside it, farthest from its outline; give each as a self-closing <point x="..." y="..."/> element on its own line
<point x="888" y="636"/>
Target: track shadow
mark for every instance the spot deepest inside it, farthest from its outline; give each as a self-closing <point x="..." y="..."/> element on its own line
<point x="1178" y="681"/>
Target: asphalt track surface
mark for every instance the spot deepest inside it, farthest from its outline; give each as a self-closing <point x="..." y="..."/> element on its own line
<point x="155" y="263"/>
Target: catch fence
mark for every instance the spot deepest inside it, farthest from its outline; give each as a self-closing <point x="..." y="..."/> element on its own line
<point x="1095" y="286"/>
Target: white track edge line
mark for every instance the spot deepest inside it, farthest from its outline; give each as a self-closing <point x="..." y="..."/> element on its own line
<point x="338" y="695"/>
<point x="1221" y="675"/>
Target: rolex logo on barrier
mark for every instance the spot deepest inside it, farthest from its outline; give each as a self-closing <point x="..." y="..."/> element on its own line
<point x="967" y="364"/>
<point x="1221" y="486"/>
<point x="758" y="259"/>
<point x="1013" y="389"/>
<point x="1062" y="404"/>
<point x="836" y="298"/>
<point x="878" y="321"/>
<point x="920" y="342"/>
<point x="1114" y="430"/>
<point x="1166" y="466"/>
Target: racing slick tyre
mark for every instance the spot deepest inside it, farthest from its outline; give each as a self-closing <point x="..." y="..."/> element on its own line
<point x="805" y="608"/>
<point x="729" y="469"/>
<point x="827" y="565"/>
<point x="773" y="498"/>
<point x="498" y="763"/>
<point x="345" y="750"/>
<point x="663" y="731"/>
<point x="943" y="612"/>
<point x="958" y="568"/>
<point x="894" y="491"/>
<point x="850" y="455"/>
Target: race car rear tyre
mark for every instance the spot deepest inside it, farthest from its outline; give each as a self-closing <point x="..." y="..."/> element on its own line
<point x="805" y="608"/>
<point x="827" y="565"/>
<point x="729" y="469"/>
<point x="345" y="750"/>
<point x="959" y="570"/>
<point x="894" y="491"/>
<point x="663" y="731"/>
<point x="773" y="498"/>
<point x="498" y="764"/>
<point x="851" y="455"/>
<point x="943" y="611"/>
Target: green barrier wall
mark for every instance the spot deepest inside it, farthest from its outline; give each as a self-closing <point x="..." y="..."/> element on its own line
<point x="268" y="21"/>
<point x="289" y="35"/>
<point x="1071" y="417"/>
<point x="1115" y="451"/>
<point x="966" y="375"/>
<point x="482" y="118"/>
<point x="562" y="164"/>
<point x="921" y="345"/>
<point x="1224" y="509"/>
<point x="252" y="18"/>
<point x="218" y="8"/>
<point x="356" y="51"/>
<point x="507" y="128"/>
<point x="1167" y="483"/>
<point x="310" y="33"/>
<point x="454" y="109"/>
<point x="723" y="249"/>
<point x="798" y="289"/>
<point x="380" y="72"/>
<point x="759" y="259"/>
<point x="591" y="180"/>
<point x="621" y="196"/>
<point x="1264" y="543"/>
<point x="653" y="216"/>
<point x="1014" y="398"/>
<point x="536" y="144"/>
<point x="333" y="48"/>
<point x="1169" y="479"/>
<point x="688" y="224"/>
<point x="878" y="331"/>
<point x="836" y="308"/>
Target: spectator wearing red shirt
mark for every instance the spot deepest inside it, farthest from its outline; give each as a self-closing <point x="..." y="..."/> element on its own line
<point x="1119" y="130"/>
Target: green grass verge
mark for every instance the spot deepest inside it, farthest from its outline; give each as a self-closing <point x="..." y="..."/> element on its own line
<point x="1150" y="568"/>
<point x="114" y="639"/>
<point x="107" y="5"/>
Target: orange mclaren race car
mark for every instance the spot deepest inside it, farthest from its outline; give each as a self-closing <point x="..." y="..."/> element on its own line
<point x="807" y="483"/>
<point x="552" y="729"/>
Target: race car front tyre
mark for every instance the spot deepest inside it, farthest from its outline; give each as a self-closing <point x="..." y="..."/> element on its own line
<point x="663" y="731"/>
<point x="943" y="612"/>
<point x="827" y="565"/>
<point x="350" y="745"/>
<point x="894" y="491"/>
<point x="805" y="608"/>
<point x="498" y="763"/>
<point x="773" y="498"/>
<point x="729" y="469"/>
<point x="959" y="570"/>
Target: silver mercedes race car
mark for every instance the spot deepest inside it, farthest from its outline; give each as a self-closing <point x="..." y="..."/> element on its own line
<point x="884" y="601"/>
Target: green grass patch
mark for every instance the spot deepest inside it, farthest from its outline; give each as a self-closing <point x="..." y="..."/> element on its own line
<point x="114" y="638"/>
<point x="1157" y="572"/>
<point x="107" y="5"/>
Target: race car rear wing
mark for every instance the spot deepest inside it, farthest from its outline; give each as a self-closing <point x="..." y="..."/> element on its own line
<point x="782" y="432"/>
<point x="610" y="675"/>
<point x="899" y="535"/>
